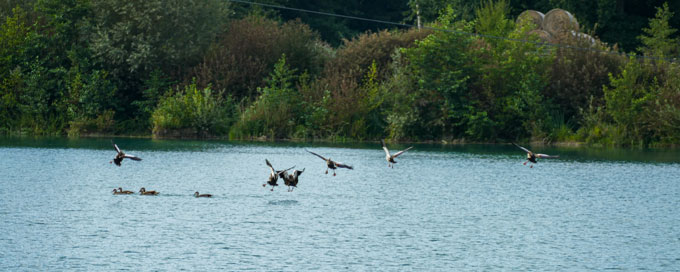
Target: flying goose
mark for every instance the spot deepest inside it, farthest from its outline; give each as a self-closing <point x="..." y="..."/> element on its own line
<point x="273" y="176"/>
<point x="196" y="194"/>
<point x="292" y="179"/>
<point x="531" y="157"/>
<point x="332" y="164"/>
<point x="390" y="158"/>
<point x="143" y="191"/>
<point x="121" y="155"/>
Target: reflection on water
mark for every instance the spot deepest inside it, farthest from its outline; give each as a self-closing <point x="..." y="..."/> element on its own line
<point x="283" y="202"/>
<point x="465" y="207"/>
<point x="661" y="155"/>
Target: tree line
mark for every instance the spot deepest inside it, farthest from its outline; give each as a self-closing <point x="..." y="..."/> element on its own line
<point x="219" y="69"/>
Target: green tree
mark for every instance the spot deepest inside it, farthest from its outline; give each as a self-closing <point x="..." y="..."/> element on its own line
<point x="439" y="64"/>
<point x="657" y="40"/>
<point x="492" y="18"/>
<point x="38" y="64"/>
<point x="134" y="39"/>
<point x="628" y="97"/>
<point x="15" y="37"/>
<point x="240" y="60"/>
<point x="277" y="111"/>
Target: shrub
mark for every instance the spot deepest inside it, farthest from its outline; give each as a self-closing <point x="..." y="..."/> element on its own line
<point x="240" y="60"/>
<point x="193" y="112"/>
<point x="349" y="92"/>
<point x="277" y="111"/>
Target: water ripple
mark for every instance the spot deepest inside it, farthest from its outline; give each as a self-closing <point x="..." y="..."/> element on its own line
<point x="442" y="210"/>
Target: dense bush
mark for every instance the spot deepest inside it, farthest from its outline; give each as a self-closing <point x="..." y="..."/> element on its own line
<point x="641" y="103"/>
<point x="244" y="55"/>
<point x="354" y="76"/>
<point x="576" y="76"/>
<point x="193" y="112"/>
<point x="277" y="109"/>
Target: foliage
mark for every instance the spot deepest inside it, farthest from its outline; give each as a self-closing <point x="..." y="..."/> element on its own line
<point x="472" y="74"/>
<point x="276" y="111"/>
<point x="439" y="65"/>
<point x="242" y="57"/>
<point x="88" y="99"/>
<point x="15" y="36"/>
<point x="142" y="36"/>
<point x="664" y="114"/>
<point x="627" y="99"/>
<point x="492" y="18"/>
<point x="193" y="112"/>
<point x="577" y="76"/>
<point x="657" y="39"/>
<point x="401" y="117"/>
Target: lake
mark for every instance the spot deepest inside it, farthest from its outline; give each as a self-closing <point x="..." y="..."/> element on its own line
<point x="441" y="208"/>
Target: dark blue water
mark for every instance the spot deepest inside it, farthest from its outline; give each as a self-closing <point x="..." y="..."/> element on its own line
<point x="441" y="208"/>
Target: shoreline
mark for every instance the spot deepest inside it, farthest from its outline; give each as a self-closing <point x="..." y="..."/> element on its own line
<point x="451" y="142"/>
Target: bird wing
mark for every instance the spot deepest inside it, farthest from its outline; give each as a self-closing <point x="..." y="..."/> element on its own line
<point x="281" y="171"/>
<point x="387" y="151"/>
<point x="270" y="167"/>
<point x="525" y="150"/>
<point x="115" y="146"/>
<point x="316" y="155"/>
<point x="401" y="152"/>
<point x="342" y="165"/>
<point x="133" y="157"/>
<point x="546" y="156"/>
<point x="298" y="172"/>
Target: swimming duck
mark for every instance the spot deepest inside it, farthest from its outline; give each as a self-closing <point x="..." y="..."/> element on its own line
<point x="121" y="192"/>
<point x="390" y="158"/>
<point x="143" y="191"/>
<point x="273" y="176"/>
<point x="203" y="195"/>
<point x="332" y="164"/>
<point x="291" y="180"/>
<point x="121" y="155"/>
<point x="531" y="157"/>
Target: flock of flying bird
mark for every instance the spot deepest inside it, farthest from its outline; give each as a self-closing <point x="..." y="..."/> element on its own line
<point x="291" y="180"/>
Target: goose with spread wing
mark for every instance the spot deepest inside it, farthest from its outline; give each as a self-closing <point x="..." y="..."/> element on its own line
<point x="274" y="175"/>
<point x="291" y="180"/>
<point x="332" y="164"/>
<point x="531" y="156"/>
<point x="390" y="158"/>
<point x="121" y="155"/>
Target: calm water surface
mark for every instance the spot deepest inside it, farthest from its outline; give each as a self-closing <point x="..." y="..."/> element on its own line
<point x="473" y="207"/>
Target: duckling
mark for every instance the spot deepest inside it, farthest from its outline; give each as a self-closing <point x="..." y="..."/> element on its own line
<point x="121" y="155"/>
<point x="121" y="192"/>
<point x="203" y="195"/>
<point x="531" y="156"/>
<point x="291" y="180"/>
<point x="143" y="191"/>
<point x="273" y="176"/>
<point x="390" y="158"/>
<point x="331" y="164"/>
